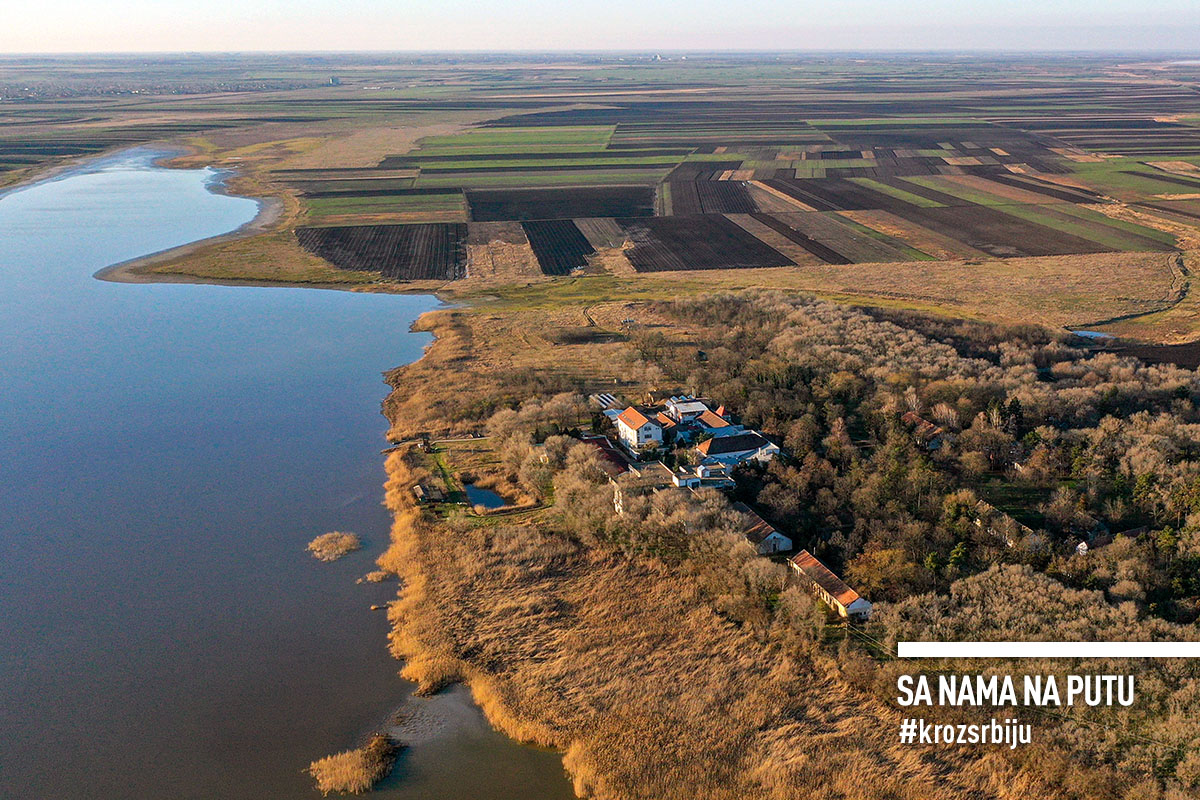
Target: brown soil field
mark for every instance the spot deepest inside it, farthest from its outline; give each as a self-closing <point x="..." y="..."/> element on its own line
<point x="1008" y="192"/>
<point x="695" y="243"/>
<point x="559" y="245"/>
<point x="601" y="231"/>
<point x="432" y="251"/>
<point x="771" y="200"/>
<point x="778" y="241"/>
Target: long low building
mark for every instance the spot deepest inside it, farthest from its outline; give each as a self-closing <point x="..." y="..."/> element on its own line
<point x="829" y="587"/>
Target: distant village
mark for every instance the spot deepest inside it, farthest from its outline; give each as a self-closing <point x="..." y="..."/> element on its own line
<point x="703" y="445"/>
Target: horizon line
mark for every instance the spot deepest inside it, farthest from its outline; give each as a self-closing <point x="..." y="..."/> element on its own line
<point x="933" y="50"/>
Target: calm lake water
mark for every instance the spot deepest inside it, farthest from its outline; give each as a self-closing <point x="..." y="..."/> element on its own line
<point x="166" y="453"/>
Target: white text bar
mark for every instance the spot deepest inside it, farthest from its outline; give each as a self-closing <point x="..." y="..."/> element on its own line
<point x="1048" y="649"/>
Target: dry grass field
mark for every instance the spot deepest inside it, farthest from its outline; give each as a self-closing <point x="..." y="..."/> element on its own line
<point x="625" y="667"/>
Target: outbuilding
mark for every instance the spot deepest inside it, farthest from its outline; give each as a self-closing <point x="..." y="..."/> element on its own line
<point x="829" y="587"/>
<point x="760" y="533"/>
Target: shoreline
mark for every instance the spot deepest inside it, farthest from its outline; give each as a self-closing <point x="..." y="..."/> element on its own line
<point x="271" y="211"/>
<point x="50" y="172"/>
<point x="417" y="720"/>
<point x="136" y="270"/>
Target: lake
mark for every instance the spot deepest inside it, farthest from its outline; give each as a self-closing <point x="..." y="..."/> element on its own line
<point x="166" y="453"/>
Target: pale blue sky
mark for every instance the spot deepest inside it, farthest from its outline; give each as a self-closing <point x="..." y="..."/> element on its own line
<point x="223" y="25"/>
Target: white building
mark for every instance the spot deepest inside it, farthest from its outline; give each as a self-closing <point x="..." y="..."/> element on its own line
<point x="638" y="432"/>
<point x="703" y="476"/>
<point x="762" y="534"/>
<point x="713" y="424"/>
<point x="683" y="409"/>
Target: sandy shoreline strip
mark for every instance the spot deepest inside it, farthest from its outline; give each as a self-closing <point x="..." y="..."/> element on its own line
<point x="137" y="270"/>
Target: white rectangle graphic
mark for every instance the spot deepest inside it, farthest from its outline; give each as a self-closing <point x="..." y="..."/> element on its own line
<point x="1048" y="649"/>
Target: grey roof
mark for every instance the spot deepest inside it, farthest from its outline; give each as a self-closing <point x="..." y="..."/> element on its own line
<point x="733" y="444"/>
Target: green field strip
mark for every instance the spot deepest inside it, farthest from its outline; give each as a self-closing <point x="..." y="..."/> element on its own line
<point x="808" y="169"/>
<point x="1120" y="224"/>
<point x="899" y="194"/>
<point x="331" y="206"/>
<point x="584" y="134"/>
<point x="1108" y="237"/>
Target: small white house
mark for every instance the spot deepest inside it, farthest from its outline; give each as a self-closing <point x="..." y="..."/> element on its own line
<point x="638" y="432"/>
<point x="762" y="534"/>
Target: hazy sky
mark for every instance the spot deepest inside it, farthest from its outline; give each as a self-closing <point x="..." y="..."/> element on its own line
<point x="223" y="25"/>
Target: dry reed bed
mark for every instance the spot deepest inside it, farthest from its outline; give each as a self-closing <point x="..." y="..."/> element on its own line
<point x="624" y="666"/>
<point x="333" y="545"/>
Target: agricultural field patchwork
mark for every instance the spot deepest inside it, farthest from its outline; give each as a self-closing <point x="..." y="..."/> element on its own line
<point x="717" y="162"/>
<point x="792" y="176"/>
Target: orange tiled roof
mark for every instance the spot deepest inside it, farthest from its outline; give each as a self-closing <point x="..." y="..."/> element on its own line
<point x="755" y="528"/>
<point x="807" y="563"/>
<point x="633" y="418"/>
<point x="712" y="420"/>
